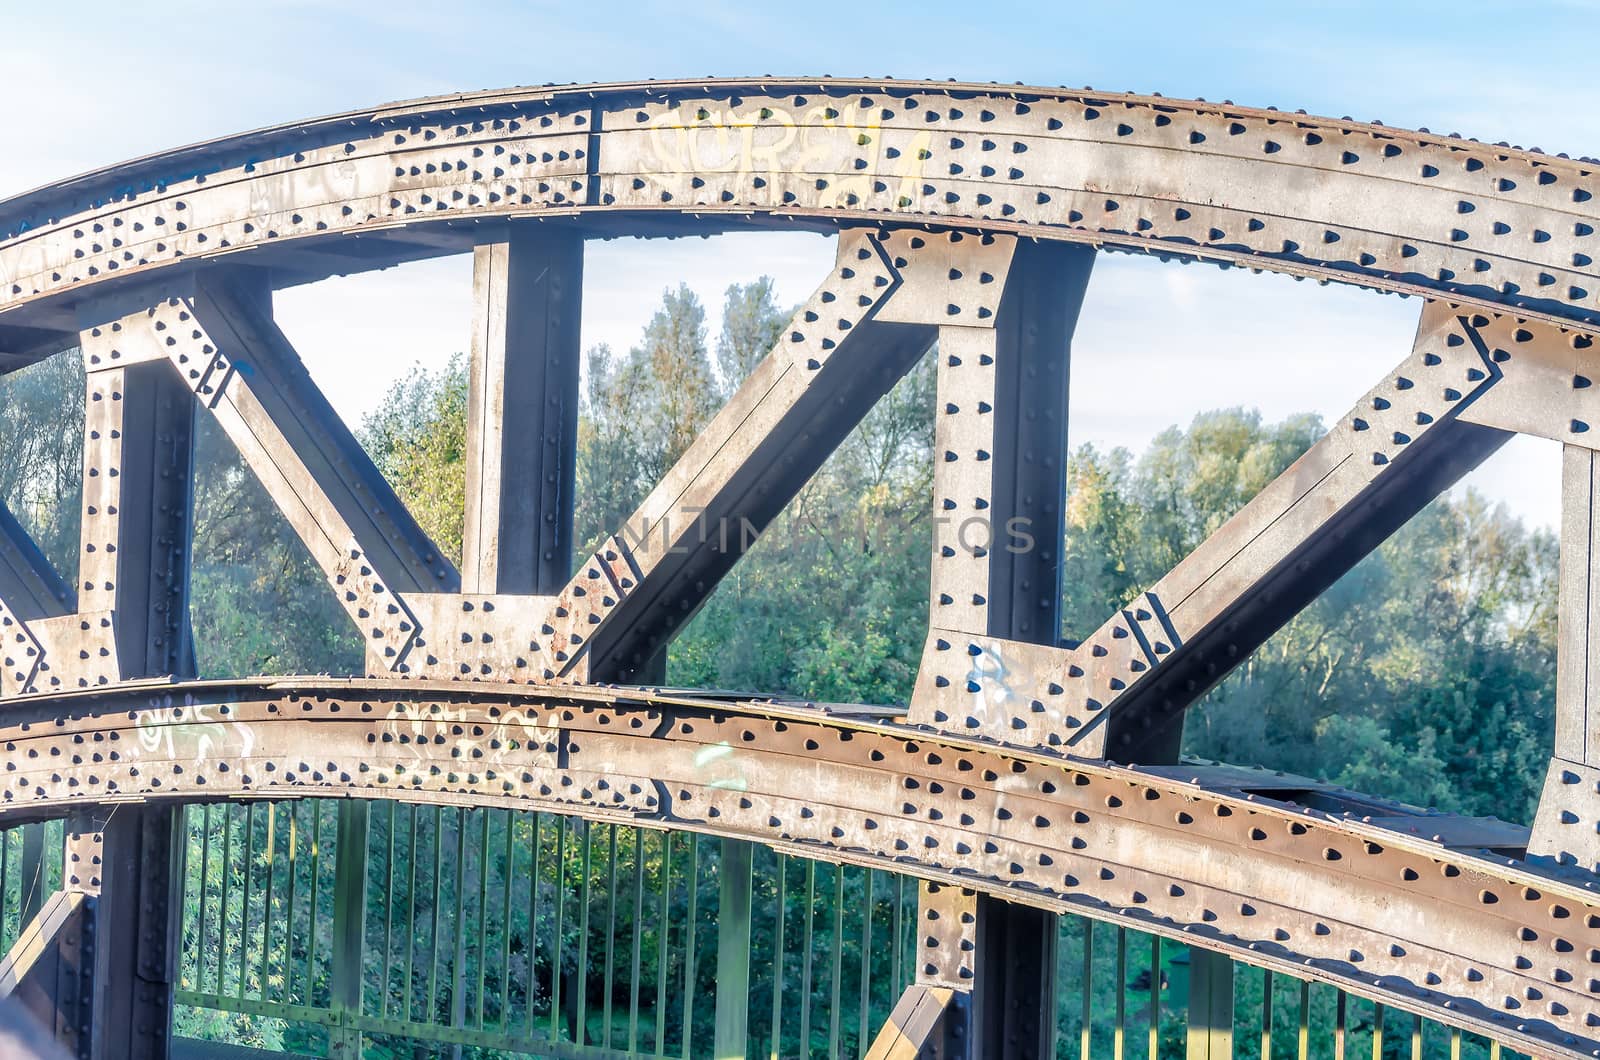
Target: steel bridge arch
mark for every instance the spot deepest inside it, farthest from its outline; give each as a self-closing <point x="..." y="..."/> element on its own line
<point x="967" y="214"/>
<point x="1492" y="226"/>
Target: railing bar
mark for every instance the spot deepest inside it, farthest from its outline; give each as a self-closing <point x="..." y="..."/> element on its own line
<point x="1305" y="1020"/>
<point x="1455" y="1043"/>
<point x="899" y="933"/>
<point x="205" y="895"/>
<point x="387" y="986"/>
<point x="268" y="916"/>
<point x="184" y="817"/>
<point x="483" y="905"/>
<point x="805" y="964"/>
<point x="556" y="960"/>
<point x="34" y="877"/>
<point x="611" y="934"/>
<point x="1341" y="1001"/>
<point x="55" y="865"/>
<point x="290" y="934"/>
<point x="1119" y="1032"/>
<point x="411" y="913"/>
<point x="662" y="924"/>
<point x="580" y="1028"/>
<point x="15" y="907"/>
<point x="458" y="953"/>
<point x="1377" y="1032"/>
<point x="350" y="874"/>
<point x="778" y="947"/>
<point x="1494" y="1050"/>
<point x="864" y="1018"/>
<point x="1085" y="1031"/>
<point x="316" y="894"/>
<point x="689" y="953"/>
<point x="432" y="1011"/>
<point x="507" y="861"/>
<point x="1416" y="1038"/>
<point x="638" y="939"/>
<point x="1053" y="1009"/>
<point x="1266" y="1014"/>
<point x="535" y="856"/>
<point x="223" y="904"/>
<point x="5" y="884"/>
<point x="244" y="905"/>
<point x="1155" y="997"/>
<point x="184" y="945"/>
<point x="837" y="942"/>
<point x="21" y="884"/>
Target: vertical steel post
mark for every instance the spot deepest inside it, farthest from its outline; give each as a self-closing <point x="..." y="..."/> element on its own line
<point x="736" y="873"/>
<point x="133" y="578"/>
<point x="1567" y="824"/>
<point x="1016" y="955"/>
<point x="349" y="928"/>
<point x="1000" y="476"/>
<point x="1210" y="1005"/>
<point x="522" y="419"/>
<point x="121" y="858"/>
<point x="1014" y="981"/>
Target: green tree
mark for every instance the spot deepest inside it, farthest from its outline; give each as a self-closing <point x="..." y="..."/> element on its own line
<point x="258" y="603"/>
<point x="417" y="437"/>
<point x="640" y="413"/>
<point x="1191" y="482"/>
<point x="751" y="326"/>
<point x="1100" y="558"/>
<point x="676" y="367"/>
<point x="41" y="434"/>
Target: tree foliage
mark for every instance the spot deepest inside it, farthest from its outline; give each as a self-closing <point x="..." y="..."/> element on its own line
<point x="1425" y="673"/>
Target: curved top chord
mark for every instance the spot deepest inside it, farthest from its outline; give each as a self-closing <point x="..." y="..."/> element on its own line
<point x="1333" y="199"/>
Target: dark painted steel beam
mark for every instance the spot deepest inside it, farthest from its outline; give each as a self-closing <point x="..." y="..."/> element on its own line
<point x="126" y="861"/>
<point x="29" y="585"/>
<point x="47" y="971"/>
<point x="138" y="515"/>
<point x="232" y="357"/>
<point x="522" y="421"/>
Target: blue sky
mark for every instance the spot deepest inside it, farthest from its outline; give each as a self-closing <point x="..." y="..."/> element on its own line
<point x="92" y="83"/>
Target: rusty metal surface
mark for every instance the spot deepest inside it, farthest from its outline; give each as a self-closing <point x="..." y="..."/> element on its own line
<point x="1504" y="947"/>
<point x="1288" y="192"/>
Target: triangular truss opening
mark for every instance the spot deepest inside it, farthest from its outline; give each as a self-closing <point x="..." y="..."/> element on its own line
<point x="1426" y="674"/>
<point x="41" y="433"/>
<point x="258" y="603"/>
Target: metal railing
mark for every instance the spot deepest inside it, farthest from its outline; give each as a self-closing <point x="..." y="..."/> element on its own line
<point x="1126" y="995"/>
<point x="345" y="929"/>
<point x="387" y="930"/>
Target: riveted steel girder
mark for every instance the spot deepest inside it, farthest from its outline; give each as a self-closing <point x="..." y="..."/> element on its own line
<point x="1311" y="196"/>
<point x="1385" y="909"/>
